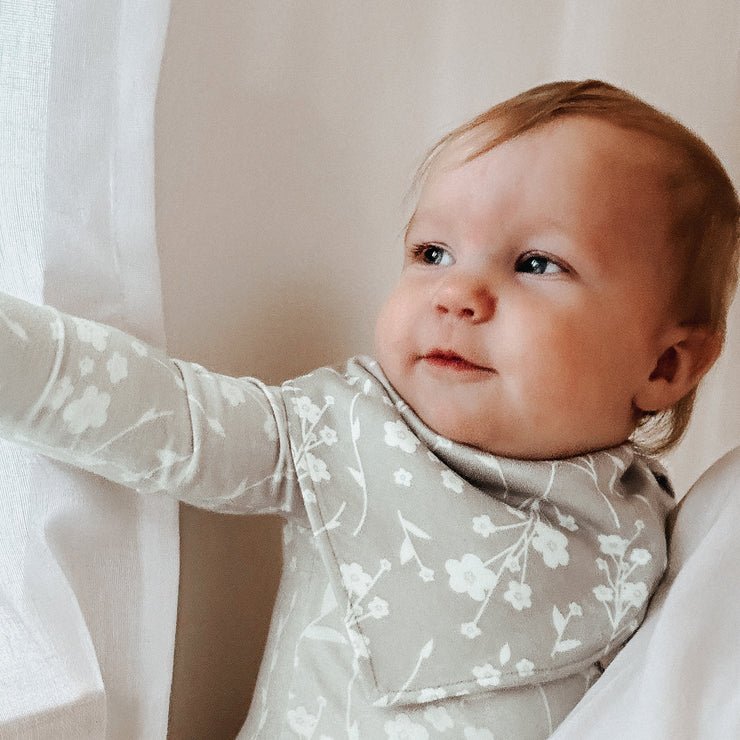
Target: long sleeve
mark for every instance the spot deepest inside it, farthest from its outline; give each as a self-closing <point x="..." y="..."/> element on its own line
<point x="90" y="395"/>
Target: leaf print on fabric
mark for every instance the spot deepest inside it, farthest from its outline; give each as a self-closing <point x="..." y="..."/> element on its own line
<point x="91" y="410"/>
<point x="404" y="728"/>
<point x="397" y="434"/>
<point x="14" y="327"/>
<point x="551" y="544"/>
<point x="452" y="481"/>
<point x="408" y="551"/>
<point x="233" y="394"/>
<point x="139" y="348"/>
<point x="478" y="733"/>
<point x="117" y="367"/>
<point x="560" y="622"/>
<point x="469" y="575"/>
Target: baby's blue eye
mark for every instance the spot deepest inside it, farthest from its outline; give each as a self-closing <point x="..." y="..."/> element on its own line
<point x="538" y="264"/>
<point x="432" y="254"/>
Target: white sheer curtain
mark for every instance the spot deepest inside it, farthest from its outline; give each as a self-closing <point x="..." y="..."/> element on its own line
<point x="287" y="134"/>
<point x="88" y="574"/>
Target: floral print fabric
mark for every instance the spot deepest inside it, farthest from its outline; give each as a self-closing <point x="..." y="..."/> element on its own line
<point x="429" y="589"/>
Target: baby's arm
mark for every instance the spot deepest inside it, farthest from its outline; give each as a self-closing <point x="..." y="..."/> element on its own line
<point x="93" y="396"/>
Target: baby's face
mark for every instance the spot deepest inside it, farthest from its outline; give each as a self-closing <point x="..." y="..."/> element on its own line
<point x="533" y="303"/>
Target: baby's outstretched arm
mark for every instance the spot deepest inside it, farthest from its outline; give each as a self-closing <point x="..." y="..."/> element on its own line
<point x="90" y="395"/>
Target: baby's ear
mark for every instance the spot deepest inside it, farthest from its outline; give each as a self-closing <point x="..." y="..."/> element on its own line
<point x="690" y="352"/>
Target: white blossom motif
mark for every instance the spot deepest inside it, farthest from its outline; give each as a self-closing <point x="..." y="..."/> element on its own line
<point x="439" y="718"/>
<point x="117" y="367"/>
<point x="478" y="733"/>
<point x="551" y="544"/>
<point x="487" y="675"/>
<point x="87" y="365"/>
<point x="306" y="409"/>
<point x="402" y="477"/>
<point x="232" y="392"/>
<point x="61" y="391"/>
<point x="483" y="525"/>
<point x="91" y="410"/>
<point x="397" y="434"/>
<point x="470" y="630"/>
<point x="404" y="728"/>
<point x="328" y="436"/>
<point x="619" y="594"/>
<point x="316" y="468"/>
<point x="355" y="579"/>
<point x="92" y="333"/>
<point x="469" y="575"/>
<point x="378" y="608"/>
<point x="525" y="668"/>
<point x="519" y="595"/>
<point x="452" y="481"/>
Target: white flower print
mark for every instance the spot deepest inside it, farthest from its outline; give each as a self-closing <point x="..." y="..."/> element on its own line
<point x="613" y="544"/>
<point x="328" y="436"/>
<point x="470" y="629"/>
<point x="604" y="593"/>
<point x="233" y="394"/>
<point x="87" y="365"/>
<point x="525" y="668"/>
<point x="451" y="481"/>
<point x="551" y="544"/>
<point x="639" y="556"/>
<point x="60" y="393"/>
<point x="316" y="468"/>
<point x="91" y="333"/>
<point x="519" y="595"/>
<point x="404" y="728"/>
<point x="475" y="733"/>
<point x="306" y="409"/>
<point x="439" y="718"/>
<point x="117" y="368"/>
<point x="426" y="574"/>
<point x="483" y="525"/>
<point x="402" y="477"/>
<point x="487" y="675"/>
<point x="469" y="575"/>
<point x="91" y="410"/>
<point x="355" y="579"/>
<point x="397" y="434"/>
<point x="378" y="608"/>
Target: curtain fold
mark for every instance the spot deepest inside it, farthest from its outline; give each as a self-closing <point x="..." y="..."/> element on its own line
<point x="88" y="573"/>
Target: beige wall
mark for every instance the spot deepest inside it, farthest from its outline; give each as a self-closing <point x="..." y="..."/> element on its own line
<point x="287" y="134"/>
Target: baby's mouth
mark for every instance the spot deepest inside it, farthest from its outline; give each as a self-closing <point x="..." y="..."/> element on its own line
<point x="450" y="360"/>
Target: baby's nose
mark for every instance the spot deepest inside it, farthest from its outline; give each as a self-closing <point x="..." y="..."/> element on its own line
<point x="466" y="298"/>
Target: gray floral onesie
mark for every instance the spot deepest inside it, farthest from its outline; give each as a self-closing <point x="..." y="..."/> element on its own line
<point x="429" y="589"/>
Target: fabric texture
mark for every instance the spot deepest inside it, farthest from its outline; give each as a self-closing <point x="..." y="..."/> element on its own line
<point x="428" y="585"/>
<point x="88" y="574"/>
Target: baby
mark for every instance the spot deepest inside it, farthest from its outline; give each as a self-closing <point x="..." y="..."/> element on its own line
<point x="470" y="531"/>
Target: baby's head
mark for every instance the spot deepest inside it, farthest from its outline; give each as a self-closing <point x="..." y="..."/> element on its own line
<point x="568" y="271"/>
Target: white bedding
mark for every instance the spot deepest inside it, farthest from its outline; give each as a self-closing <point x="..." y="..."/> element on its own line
<point x="679" y="677"/>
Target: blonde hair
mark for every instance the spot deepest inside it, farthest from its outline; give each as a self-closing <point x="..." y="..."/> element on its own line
<point x="705" y="207"/>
